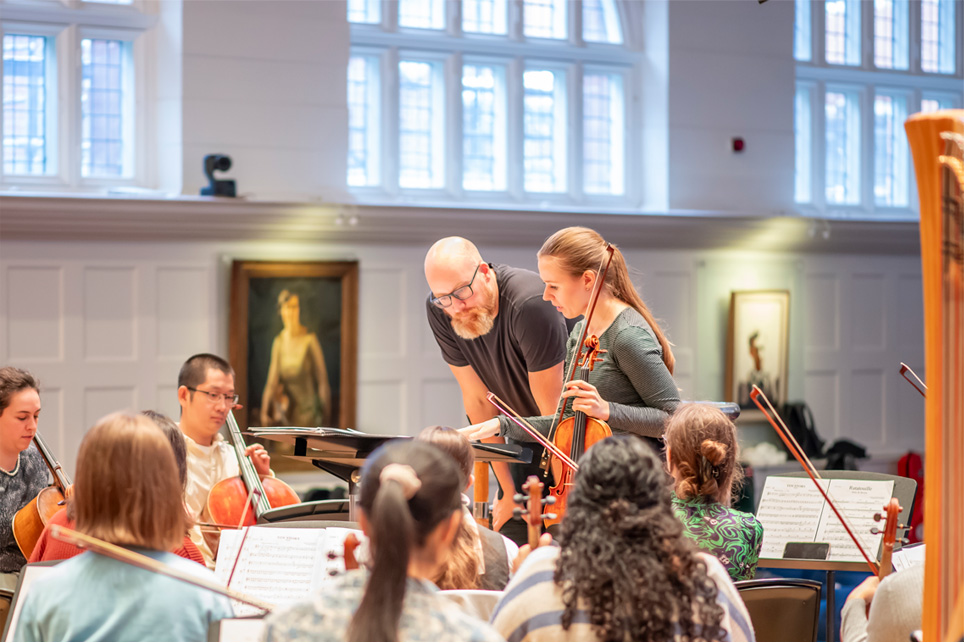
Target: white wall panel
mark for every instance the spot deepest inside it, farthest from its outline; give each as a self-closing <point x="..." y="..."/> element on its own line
<point x="183" y="297"/>
<point x="442" y="403"/>
<point x="35" y="313"/>
<point x="110" y="321"/>
<point x="382" y="407"/>
<point x="384" y="297"/>
<point x="99" y="401"/>
<point x="868" y="319"/>
<point x="823" y="396"/>
<point x="865" y="405"/>
<point x="821" y="312"/>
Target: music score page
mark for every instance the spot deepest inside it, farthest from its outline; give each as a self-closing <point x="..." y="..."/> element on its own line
<point x="793" y="510"/>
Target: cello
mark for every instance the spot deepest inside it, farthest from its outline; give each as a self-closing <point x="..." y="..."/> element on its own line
<point x="228" y="502"/>
<point x="29" y="522"/>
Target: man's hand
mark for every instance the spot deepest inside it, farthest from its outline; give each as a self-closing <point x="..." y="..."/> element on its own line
<point x="260" y="459"/>
<point x="482" y="430"/>
<point x="544" y="541"/>
<point x="502" y="509"/>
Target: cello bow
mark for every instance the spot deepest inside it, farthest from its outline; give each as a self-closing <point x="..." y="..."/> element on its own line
<point x="124" y="555"/>
<point x="756" y="394"/>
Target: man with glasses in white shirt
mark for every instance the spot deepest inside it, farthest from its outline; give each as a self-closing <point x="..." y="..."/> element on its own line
<point x="205" y="391"/>
<point x="496" y="334"/>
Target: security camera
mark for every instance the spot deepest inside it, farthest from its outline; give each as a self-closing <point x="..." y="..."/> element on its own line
<point x="218" y="187"/>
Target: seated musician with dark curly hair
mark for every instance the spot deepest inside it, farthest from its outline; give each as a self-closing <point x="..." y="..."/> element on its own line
<point x="702" y="454"/>
<point x="624" y="572"/>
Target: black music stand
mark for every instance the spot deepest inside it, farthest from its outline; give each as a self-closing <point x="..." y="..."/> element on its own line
<point x="341" y="452"/>
<point x="904" y="490"/>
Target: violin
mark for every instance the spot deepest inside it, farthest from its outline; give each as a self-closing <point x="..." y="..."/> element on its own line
<point x="892" y="509"/>
<point x="532" y="499"/>
<point x="228" y="502"/>
<point x="29" y="522"/>
<point x="574" y="435"/>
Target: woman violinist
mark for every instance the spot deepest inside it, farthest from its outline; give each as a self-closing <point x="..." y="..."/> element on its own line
<point x="632" y="388"/>
<point x="22" y="470"/>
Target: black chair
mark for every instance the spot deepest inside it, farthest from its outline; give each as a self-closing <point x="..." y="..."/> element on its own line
<point x="782" y="609"/>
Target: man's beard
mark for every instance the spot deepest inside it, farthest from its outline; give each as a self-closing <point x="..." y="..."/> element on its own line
<point x="474" y="323"/>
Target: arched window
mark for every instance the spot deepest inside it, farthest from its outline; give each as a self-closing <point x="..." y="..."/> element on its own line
<point x="500" y="101"/>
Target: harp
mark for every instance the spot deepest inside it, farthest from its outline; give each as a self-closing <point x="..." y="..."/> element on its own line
<point x="937" y="145"/>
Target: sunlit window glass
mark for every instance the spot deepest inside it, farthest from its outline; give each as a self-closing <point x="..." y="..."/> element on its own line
<point x="25" y="105"/>
<point x="842" y="33"/>
<point x="890" y="151"/>
<point x="421" y="125"/>
<point x="484" y="16"/>
<point x="544" y="130"/>
<point x="842" y="120"/>
<point x="105" y="112"/>
<point x="803" y="143"/>
<point x="364" y="100"/>
<point x="545" y="19"/>
<point x="891" y="34"/>
<point x="603" y="150"/>
<point x="937" y="46"/>
<point x="422" y="14"/>
<point x="801" y="31"/>
<point x="365" y="11"/>
<point x="483" y="127"/>
<point x="600" y="22"/>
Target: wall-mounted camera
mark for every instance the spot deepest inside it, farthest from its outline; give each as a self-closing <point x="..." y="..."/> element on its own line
<point x="218" y="187"/>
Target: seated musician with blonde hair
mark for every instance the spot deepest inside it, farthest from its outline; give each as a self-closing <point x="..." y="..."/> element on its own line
<point x="702" y="454"/>
<point x="92" y="597"/>
<point x="480" y="558"/>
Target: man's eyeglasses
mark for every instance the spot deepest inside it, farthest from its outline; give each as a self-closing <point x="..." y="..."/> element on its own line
<point x="463" y="293"/>
<point x="214" y="398"/>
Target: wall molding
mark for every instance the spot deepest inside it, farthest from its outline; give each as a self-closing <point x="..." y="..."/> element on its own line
<point x="214" y="219"/>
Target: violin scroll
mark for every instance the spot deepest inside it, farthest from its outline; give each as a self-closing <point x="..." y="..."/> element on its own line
<point x="533" y="500"/>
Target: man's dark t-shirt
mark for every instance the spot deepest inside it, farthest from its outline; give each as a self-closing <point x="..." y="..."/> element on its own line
<point x="529" y="335"/>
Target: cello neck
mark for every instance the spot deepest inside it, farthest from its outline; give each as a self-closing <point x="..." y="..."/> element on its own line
<point x="248" y="473"/>
<point x="61" y="479"/>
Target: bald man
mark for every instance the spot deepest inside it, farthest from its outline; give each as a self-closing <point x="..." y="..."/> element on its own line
<point x="496" y="334"/>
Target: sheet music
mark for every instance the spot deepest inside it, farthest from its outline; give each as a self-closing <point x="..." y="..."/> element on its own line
<point x="858" y="501"/>
<point x="908" y="557"/>
<point x="793" y="510"/>
<point x="279" y="565"/>
<point x="790" y="511"/>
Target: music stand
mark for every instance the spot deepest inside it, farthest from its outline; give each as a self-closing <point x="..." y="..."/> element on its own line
<point x="341" y="452"/>
<point x="904" y="490"/>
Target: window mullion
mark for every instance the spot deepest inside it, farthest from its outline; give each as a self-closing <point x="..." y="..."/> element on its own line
<point x="818" y="147"/>
<point x="574" y="95"/>
<point x="868" y="158"/>
<point x="454" y="145"/>
<point x="69" y="103"/>
<point x="818" y="17"/>
<point x="515" y="162"/>
<point x="868" y="27"/>
<point x="390" y="125"/>
<point x="915" y="35"/>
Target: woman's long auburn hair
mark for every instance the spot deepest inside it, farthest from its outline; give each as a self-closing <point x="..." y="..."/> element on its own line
<point x="580" y="249"/>
<point x="624" y="558"/>
<point x="703" y="453"/>
<point x="398" y="526"/>
<point x="127" y="490"/>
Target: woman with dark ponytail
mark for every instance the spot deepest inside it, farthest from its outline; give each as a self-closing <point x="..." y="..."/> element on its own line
<point x="411" y="511"/>
<point x="702" y="454"/>
<point x="632" y="389"/>
<point x="624" y="571"/>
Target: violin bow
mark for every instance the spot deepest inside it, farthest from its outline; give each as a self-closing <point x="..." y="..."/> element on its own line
<point x="922" y="389"/>
<point x="794" y="447"/>
<point x="124" y="555"/>
<point x="590" y="309"/>
<point x="506" y="410"/>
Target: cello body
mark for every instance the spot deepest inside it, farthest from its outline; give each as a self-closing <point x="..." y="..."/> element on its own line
<point x="228" y="500"/>
<point x="29" y="521"/>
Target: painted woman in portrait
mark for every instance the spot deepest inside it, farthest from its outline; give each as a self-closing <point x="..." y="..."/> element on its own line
<point x="297" y="392"/>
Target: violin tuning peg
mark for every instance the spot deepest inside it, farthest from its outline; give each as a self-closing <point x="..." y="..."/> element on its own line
<point x="519" y="498"/>
<point x="905" y="541"/>
<point x="550" y="500"/>
<point x="332" y="555"/>
<point x="877" y="517"/>
<point x="548" y="516"/>
<point x="874" y="531"/>
<point x="518" y="513"/>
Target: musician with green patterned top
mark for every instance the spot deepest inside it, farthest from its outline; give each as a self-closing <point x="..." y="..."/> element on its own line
<point x="702" y="454"/>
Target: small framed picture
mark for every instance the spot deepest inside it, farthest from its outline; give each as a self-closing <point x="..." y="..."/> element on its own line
<point x="758" y="346"/>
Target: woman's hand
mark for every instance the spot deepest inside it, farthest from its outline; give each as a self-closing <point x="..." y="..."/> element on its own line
<point x="482" y="430"/>
<point x="544" y="541"/>
<point x="586" y="399"/>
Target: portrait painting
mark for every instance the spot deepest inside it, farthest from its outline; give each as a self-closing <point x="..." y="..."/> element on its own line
<point x="293" y="344"/>
<point x="758" y="346"/>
